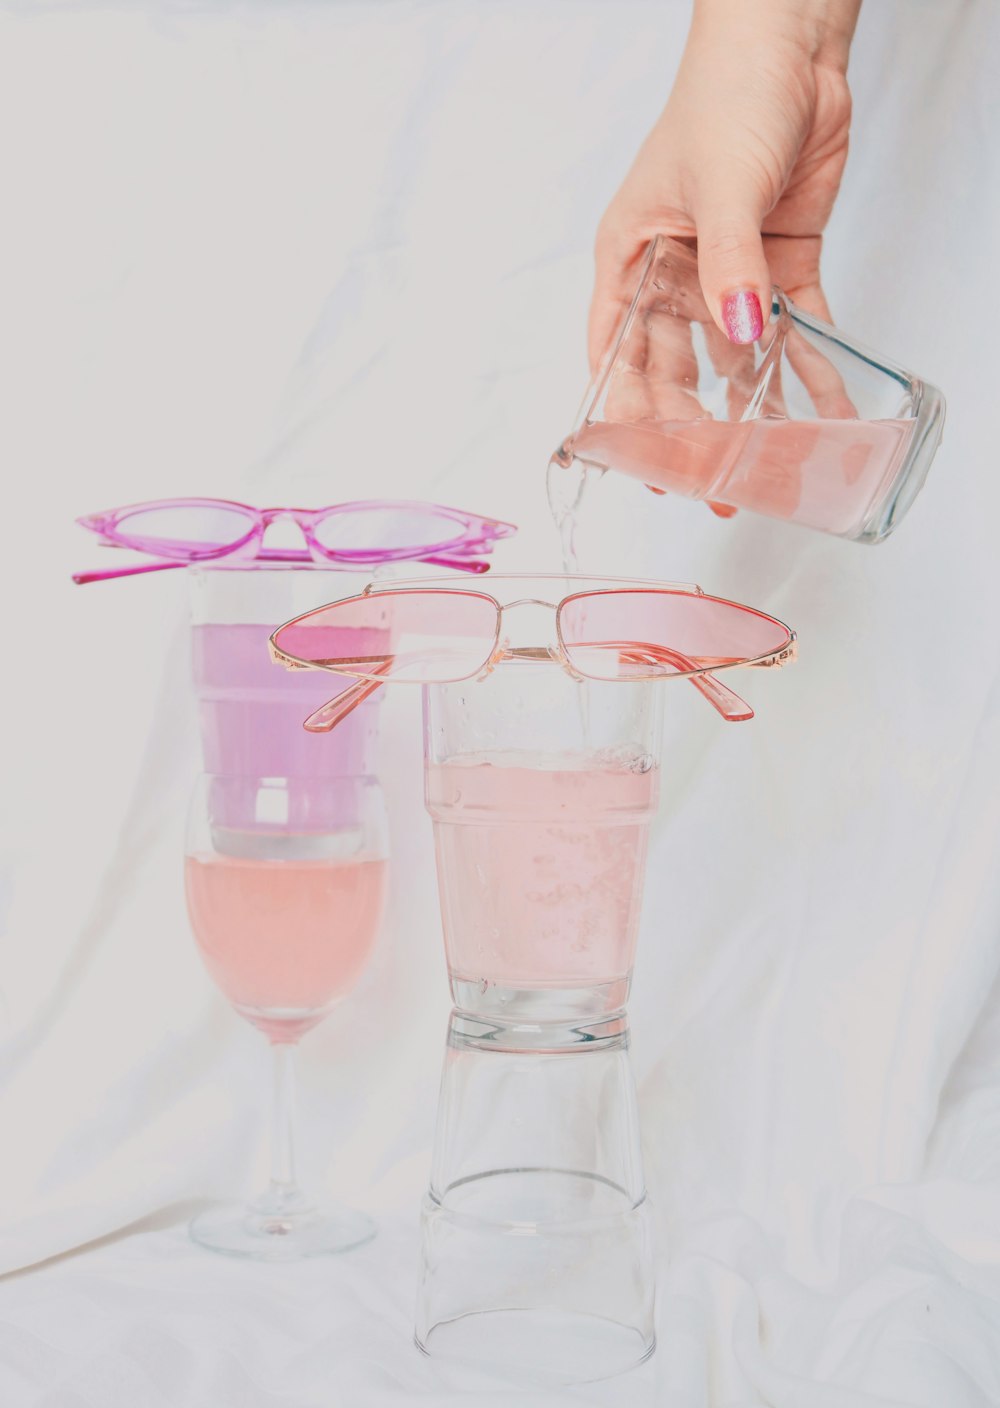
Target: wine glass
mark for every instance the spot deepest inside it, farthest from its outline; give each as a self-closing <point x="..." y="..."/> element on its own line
<point x="285" y="881"/>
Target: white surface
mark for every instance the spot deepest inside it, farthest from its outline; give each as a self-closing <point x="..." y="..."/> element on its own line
<point x="302" y="252"/>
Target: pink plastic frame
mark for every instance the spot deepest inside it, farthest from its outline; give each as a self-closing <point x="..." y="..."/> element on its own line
<point x="474" y="537"/>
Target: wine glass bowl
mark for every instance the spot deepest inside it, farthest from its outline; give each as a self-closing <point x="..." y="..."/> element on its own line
<point x="285" y="881"/>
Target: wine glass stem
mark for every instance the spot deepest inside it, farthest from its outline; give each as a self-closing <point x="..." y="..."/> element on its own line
<point x="283" y="1121"/>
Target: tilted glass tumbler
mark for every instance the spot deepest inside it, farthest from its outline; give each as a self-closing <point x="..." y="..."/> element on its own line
<point x="804" y="425"/>
<point x="250" y="715"/>
<point x="536" y="1253"/>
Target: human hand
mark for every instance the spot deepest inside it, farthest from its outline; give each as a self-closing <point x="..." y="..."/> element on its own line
<point x="746" y="158"/>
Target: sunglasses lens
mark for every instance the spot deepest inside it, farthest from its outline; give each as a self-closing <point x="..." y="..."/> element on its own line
<point x="184" y="530"/>
<point x="427" y="637"/>
<point x="642" y="634"/>
<point x="376" y="530"/>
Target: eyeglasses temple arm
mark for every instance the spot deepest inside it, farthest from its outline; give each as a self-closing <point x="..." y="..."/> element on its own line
<point x="723" y="699"/>
<point x="330" y="714"/>
<point x="463" y="564"/>
<point x="82" y="578"/>
<point x="334" y="711"/>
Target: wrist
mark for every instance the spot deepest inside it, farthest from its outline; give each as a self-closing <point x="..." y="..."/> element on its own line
<point x="821" y="30"/>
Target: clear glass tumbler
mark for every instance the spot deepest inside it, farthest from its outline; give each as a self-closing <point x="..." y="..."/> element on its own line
<point x="804" y="425"/>
<point x="536" y="1252"/>
<point x="250" y="714"/>
<point x="536" y="1245"/>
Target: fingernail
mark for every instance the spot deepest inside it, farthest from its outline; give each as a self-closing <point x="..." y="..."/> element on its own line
<point x="742" y="317"/>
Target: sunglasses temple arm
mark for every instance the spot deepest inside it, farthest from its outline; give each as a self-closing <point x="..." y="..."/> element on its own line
<point x="334" y="711"/>
<point x="82" y="578"/>
<point x="463" y="564"/>
<point x="723" y="699"/>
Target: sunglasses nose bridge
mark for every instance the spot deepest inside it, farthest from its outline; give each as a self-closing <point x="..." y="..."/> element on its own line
<point x="535" y="640"/>
<point x="274" y="515"/>
<point x="285" y="536"/>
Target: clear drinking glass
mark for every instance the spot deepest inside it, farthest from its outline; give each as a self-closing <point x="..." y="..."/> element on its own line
<point x="285" y="881"/>
<point x="804" y="425"/>
<point x="541" y="788"/>
<point x="536" y="1253"/>
<point x="250" y="714"/>
<point x="536" y="1238"/>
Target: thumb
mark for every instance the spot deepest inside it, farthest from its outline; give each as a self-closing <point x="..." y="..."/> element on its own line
<point x="734" y="275"/>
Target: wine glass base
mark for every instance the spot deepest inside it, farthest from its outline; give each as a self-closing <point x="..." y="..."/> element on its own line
<point x="240" y="1229"/>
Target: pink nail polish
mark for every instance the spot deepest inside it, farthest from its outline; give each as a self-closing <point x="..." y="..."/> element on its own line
<point x="742" y="316"/>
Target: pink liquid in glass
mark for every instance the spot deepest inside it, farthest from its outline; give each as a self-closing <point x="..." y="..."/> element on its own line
<point x="826" y="474"/>
<point x="284" y="939"/>
<point x="540" y="869"/>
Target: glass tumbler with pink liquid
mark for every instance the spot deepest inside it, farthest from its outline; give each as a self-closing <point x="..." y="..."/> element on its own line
<point x="536" y="1250"/>
<point x="805" y="425"/>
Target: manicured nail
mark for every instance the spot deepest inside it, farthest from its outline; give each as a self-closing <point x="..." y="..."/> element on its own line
<point x="742" y="316"/>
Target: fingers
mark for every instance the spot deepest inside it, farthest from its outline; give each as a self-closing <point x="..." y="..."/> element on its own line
<point x="736" y="367"/>
<point x="820" y="378"/>
<point x="656" y="375"/>
<point x="810" y="298"/>
<point x="617" y="260"/>
<point x="731" y="264"/>
<point x="795" y="264"/>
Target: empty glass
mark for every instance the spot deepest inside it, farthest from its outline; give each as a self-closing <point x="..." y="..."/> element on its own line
<point x="536" y="1252"/>
<point x="805" y="425"/>
<point x="536" y="1245"/>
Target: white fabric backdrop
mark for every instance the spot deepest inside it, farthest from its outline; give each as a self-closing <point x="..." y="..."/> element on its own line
<point x="296" y="252"/>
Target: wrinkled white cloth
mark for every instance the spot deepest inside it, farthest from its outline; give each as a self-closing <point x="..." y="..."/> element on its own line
<point x="300" y="252"/>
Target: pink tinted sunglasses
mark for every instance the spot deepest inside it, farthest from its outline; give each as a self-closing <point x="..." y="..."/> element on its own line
<point x="608" y="629"/>
<point x="362" y="534"/>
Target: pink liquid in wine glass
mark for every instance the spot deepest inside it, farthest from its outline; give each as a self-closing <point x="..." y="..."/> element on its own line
<point x="826" y="474"/>
<point x="540" y="869"/>
<point x="284" y="939"/>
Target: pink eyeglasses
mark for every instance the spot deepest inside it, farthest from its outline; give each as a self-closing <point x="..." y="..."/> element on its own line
<point x="362" y="534"/>
<point x="606" y="629"/>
